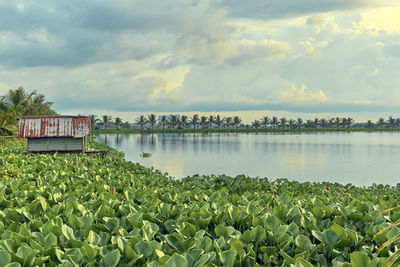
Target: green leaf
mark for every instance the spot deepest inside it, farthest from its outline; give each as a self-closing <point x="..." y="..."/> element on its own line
<point x="258" y="234"/>
<point x="303" y="242"/>
<point x="26" y="253"/>
<point x="149" y="230"/>
<point x="93" y="238"/>
<point x="359" y="259"/>
<point x="228" y="258"/>
<point x="50" y="240"/>
<point x="176" y="260"/>
<point x="112" y="258"/>
<point x="5" y="258"/>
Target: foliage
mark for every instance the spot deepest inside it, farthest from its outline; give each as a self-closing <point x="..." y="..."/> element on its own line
<point x="17" y="103"/>
<point x="78" y="210"/>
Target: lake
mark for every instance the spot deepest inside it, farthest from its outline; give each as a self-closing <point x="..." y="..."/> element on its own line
<point x="360" y="158"/>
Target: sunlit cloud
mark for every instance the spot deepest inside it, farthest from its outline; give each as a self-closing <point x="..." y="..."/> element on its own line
<point x="300" y="95"/>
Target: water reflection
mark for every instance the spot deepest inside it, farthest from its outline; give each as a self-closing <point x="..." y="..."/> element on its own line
<point x="359" y="158"/>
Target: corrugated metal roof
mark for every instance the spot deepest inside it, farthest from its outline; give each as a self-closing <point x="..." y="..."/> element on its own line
<point x="54" y="126"/>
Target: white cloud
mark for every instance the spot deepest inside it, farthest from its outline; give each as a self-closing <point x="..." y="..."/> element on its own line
<point x="300" y="95"/>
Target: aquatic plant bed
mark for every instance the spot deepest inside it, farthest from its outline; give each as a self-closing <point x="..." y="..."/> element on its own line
<point x="89" y="211"/>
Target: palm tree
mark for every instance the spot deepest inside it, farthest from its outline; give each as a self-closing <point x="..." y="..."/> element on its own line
<point x="38" y="106"/>
<point x="236" y="121"/>
<point x="18" y="100"/>
<point x="274" y="122"/>
<point x="323" y="123"/>
<point x="194" y="120"/>
<point x="152" y="119"/>
<point x="316" y="122"/>
<point x="163" y="122"/>
<point x="331" y="122"/>
<point x="211" y="120"/>
<point x="117" y="122"/>
<point x="381" y="122"/>
<point x="256" y="124"/>
<point x="228" y="122"/>
<point x="291" y="123"/>
<point x="282" y="122"/>
<point x="370" y="124"/>
<point x="93" y="120"/>
<point x="265" y="121"/>
<point x="203" y="122"/>
<point x="349" y="122"/>
<point x="344" y="122"/>
<point x="309" y="124"/>
<point x="337" y="122"/>
<point x="397" y="123"/>
<point x="391" y="122"/>
<point x="141" y="120"/>
<point x="299" y="122"/>
<point x="173" y="120"/>
<point x="218" y="121"/>
<point x="184" y="121"/>
<point x="106" y="120"/>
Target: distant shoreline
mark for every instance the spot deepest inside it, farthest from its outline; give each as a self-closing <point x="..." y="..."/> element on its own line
<point x="241" y="130"/>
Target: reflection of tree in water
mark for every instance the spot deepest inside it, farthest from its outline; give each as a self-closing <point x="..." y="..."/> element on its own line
<point x="118" y="140"/>
<point x="152" y="139"/>
<point x="105" y="139"/>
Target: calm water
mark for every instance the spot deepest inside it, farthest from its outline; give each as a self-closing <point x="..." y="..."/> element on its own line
<point x="359" y="158"/>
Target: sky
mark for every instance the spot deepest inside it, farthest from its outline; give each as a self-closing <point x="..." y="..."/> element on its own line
<point x="303" y="58"/>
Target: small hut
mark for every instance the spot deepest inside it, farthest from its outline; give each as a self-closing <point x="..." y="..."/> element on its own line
<point x="55" y="133"/>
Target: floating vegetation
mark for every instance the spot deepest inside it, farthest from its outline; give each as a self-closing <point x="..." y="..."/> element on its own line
<point x="109" y="212"/>
<point x="145" y="155"/>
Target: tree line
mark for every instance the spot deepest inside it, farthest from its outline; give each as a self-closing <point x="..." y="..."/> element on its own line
<point x="17" y="103"/>
<point x="216" y="121"/>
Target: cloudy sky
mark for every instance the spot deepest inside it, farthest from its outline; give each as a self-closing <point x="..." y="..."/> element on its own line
<point x="290" y="57"/>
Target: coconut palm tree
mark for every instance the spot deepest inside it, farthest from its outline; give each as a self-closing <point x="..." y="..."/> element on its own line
<point x="203" y="122"/>
<point x="163" y="122"/>
<point x="309" y="124"/>
<point x="370" y="124"/>
<point x="331" y="122"/>
<point x="337" y="122"/>
<point x="184" y="121"/>
<point x="106" y="120"/>
<point x="381" y="122"/>
<point x="152" y="119"/>
<point x="256" y="124"/>
<point x="316" y="122"/>
<point x="349" y="121"/>
<point x="283" y="122"/>
<point x="211" y="120"/>
<point x="323" y="123"/>
<point x="299" y="122"/>
<point x="219" y="121"/>
<point x="117" y="122"/>
<point x="141" y="120"/>
<point x="228" y="122"/>
<point x="291" y="123"/>
<point x="274" y="122"/>
<point x="194" y="120"/>
<point x="93" y="120"/>
<point x="173" y="120"/>
<point x="265" y="121"/>
<point x="236" y="121"/>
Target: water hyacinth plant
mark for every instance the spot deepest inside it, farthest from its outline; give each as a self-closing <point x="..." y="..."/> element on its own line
<point x="90" y="211"/>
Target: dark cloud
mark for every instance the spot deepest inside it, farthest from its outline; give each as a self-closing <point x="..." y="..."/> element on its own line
<point x="71" y="33"/>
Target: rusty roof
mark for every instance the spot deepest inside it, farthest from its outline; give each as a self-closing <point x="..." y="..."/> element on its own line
<point x="54" y="126"/>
